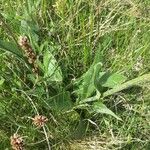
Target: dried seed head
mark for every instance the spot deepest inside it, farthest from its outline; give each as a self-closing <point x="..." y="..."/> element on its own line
<point x="30" y="60"/>
<point x="29" y="53"/>
<point x="35" y="70"/>
<point x="23" y="41"/>
<point x="16" y="142"/>
<point x="39" y="120"/>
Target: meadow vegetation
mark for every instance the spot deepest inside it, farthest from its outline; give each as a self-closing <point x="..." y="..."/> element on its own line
<point x="75" y="74"/>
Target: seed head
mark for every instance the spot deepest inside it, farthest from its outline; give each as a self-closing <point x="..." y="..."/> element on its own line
<point x="28" y="51"/>
<point x="23" y="41"/>
<point x="39" y="120"/>
<point x="16" y="142"/>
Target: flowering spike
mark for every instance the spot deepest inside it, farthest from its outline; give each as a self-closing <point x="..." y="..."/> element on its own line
<point x="25" y="45"/>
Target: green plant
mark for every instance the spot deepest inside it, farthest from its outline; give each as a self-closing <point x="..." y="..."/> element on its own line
<point x="74" y="73"/>
<point x="90" y="89"/>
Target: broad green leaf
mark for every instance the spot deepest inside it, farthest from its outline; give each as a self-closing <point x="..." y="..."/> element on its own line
<point x="86" y="82"/>
<point x="99" y="107"/>
<point x="51" y="68"/>
<point x="139" y="80"/>
<point x="114" y="80"/>
<point x="11" y="47"/>
<point x="30" y="28"/>
<point x="106" y="79"/>
<point x="98" y="78"/>
<point x="88" y="86"/>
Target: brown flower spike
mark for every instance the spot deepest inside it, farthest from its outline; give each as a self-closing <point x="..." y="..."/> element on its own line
<point x="25" y="45"/>
<point x="16" y="142"/>
<point x="39" y="120"/>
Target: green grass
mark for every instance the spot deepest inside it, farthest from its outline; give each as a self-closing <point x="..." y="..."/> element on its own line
<point x="70" y="35"/>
